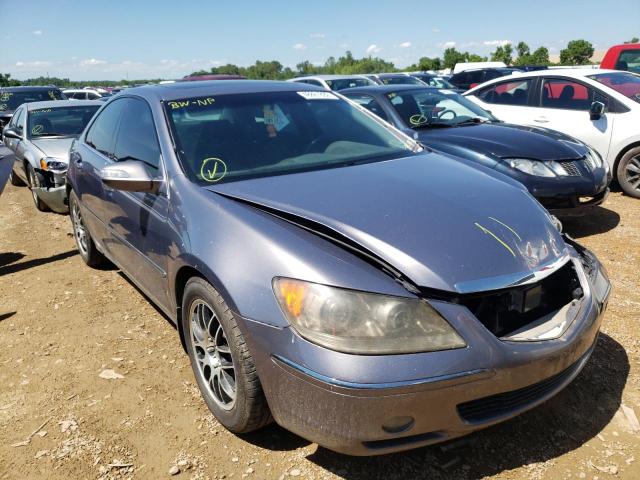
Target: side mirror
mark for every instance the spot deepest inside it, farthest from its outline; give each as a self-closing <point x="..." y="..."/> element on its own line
<point x="596" y="110"/>
<point x="129" y="176"/>
<point x="11" y="133"/>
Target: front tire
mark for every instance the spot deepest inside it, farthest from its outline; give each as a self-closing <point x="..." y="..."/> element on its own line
<point x="221" y="361"/>
<point x="15" y="180"/>
<point x="34" y="183"/>
<point x="628" y="173"/>
<point x="84" y="242"/>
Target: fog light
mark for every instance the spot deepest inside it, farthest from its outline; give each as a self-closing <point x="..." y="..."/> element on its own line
<point x="398" y="424"/>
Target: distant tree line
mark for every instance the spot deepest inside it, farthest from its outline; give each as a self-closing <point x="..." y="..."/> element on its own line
<point x="577" y="52"/>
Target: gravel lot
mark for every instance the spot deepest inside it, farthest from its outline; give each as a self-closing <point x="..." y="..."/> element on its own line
<point x="64" y="327"/>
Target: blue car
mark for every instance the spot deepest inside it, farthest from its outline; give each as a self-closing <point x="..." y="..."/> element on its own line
<point x="325" y="271"/>
<point x="561" y="172"/>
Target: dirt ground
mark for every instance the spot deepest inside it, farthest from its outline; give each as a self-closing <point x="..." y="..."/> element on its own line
<point x="63" y="324"/>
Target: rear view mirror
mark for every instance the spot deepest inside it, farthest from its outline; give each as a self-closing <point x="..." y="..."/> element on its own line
<point x="11" y="133"/>
<point x="596" y="110"/>
<point x="129" y="176"/>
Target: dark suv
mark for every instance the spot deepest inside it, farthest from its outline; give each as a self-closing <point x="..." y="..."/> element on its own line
<point x="470" y="78"/>
<point x="12" y="97"/>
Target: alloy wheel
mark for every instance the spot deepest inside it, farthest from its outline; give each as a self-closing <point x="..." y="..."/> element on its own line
<point x="632" y="172"/>
<point x="212" y="354"/>
<point x="79" y="229"/>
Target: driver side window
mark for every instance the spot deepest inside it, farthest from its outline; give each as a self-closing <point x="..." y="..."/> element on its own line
<point x="16" y="121"/>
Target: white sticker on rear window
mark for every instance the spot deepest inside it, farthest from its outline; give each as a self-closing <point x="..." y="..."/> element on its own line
<point x="318" y="95"/>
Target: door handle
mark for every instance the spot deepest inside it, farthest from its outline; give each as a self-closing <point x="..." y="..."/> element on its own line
<point x="541" y="120"/>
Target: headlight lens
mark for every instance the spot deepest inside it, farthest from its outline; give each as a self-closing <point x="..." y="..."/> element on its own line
<point x="531" y="167"/>
<point x="54" y="164"/>
<point x="364" y="323"/>
<point x="593" y="159"/>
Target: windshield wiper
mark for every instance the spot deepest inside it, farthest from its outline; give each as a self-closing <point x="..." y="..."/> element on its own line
<point x="474" y="121"/>
<point x="54" y="134"/>
<point x="431" y="125"/>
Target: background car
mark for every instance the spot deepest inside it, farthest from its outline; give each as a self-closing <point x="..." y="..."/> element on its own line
<point x="6" y="164"/>
<point x="335" y="82"/>
<point x="324" y="270"/>
<point x="622" y="57"/>
<point x="12" y="97"/>
<point x="561" y="172"/>
<point x="40" y="134"/>
<point x="470" y="78"/>
<point x="434" y="80"/>
<point x="395" y="79"/>
<point x="84" y="94"/>
<point x="217" y="76"/>
<point x="599" y="107"/>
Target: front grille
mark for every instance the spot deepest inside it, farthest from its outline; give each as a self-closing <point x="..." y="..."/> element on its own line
<point x="503" y="404"/>
<point x="571" y="168"/>
<point x="504" y="311"/>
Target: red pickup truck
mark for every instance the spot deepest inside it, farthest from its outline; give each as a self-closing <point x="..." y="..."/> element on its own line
<point x="623" y="57"/>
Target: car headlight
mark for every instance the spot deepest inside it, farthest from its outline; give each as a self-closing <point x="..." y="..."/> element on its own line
<point x="593" y="159"/>
<point x="531" y="167"/>
<point x="364" y="323"/>
<point x="53" y="164"/>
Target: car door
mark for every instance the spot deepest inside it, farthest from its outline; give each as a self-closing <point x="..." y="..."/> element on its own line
<point x="138" y="221"/>
<point x="564" y="106"/>
<point x="89" y="155"/>
<point x="509" y="100"/>
<point x="18" y="145"/>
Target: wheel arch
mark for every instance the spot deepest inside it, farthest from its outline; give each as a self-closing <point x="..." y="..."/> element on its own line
<point x="621" y="154"/>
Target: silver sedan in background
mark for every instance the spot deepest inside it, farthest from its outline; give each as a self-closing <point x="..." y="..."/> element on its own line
<point x="40" y="134"/>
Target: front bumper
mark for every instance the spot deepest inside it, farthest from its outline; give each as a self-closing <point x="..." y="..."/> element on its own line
<point x="55" y="198"/>
<point x="368" y="405"/>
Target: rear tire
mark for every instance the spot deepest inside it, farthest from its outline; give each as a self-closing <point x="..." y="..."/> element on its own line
<point x="84" y="242"/>
<point x="628" y="173"/>
<point x="33" y="182"/>
<point x="221" y="361"/>
<point x="15" y="180"/>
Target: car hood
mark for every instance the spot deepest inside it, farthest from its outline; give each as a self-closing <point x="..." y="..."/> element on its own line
<point x="504" y="140"/>
<point x="55" y="147"/>
<point x="442" y="223"/>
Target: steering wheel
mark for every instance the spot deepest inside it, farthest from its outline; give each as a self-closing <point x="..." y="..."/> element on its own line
<point x="318" y="144"/>
<point x="444" y="112"/>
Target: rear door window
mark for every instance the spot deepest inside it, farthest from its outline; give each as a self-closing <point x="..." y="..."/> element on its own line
<point x="629" y="60"/>
<point x="507" y="93"/>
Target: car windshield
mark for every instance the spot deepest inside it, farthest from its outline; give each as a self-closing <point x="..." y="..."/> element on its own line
<point x="238" y="136"/>
<point x="60" y="121"/>
<point x="628" y="84"/>
<point x="432" y="108"/>
<point x="401" y="80"/>
<point x="12" y="100"/>
<point x="342" y="83"/>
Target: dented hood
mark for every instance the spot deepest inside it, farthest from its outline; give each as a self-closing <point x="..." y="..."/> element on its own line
<point x="444" y="224"/>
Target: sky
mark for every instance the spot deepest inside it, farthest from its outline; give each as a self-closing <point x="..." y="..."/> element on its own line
<point x="134" y="39"/>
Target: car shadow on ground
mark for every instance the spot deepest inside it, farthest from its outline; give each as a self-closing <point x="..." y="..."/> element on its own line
<point x="593" y="221"/>
<point x="8" y="265"/>
<point x="562" y="424"/>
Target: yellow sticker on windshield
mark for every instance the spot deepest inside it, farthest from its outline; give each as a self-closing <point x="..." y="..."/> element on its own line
<point x="5" y="96"/>
<point x="37" y="129"/>
<point x="199" y="102"/>
<point x="417" y="120"/>
<point x="3" y="106"/>
<point x="213" y="169"/>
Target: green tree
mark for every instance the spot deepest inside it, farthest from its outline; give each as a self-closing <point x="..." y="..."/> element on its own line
<point x="540" y="57"/>
<point x="633" y="40"/>
<point x="426" y="63"/>
<point x="503" y="53"/>
<point x="452" y="56"/>
<point x="578" y="52"/>
<point x="523" y="49"/>
<point x="7" y="81"/>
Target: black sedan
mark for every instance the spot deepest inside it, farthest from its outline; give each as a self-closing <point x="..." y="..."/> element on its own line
<point x="560" y="171"/>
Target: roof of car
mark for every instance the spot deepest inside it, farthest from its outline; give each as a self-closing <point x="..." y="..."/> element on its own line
<point x="28" y="88"/>
<point x="330" y="77"/>
<point x="388" y="88"/>
<point x="61" y="104"/>
<point x="178" y="90"/>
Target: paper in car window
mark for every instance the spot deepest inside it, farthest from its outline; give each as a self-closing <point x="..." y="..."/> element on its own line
<point x="276" y="117"/>
<point x="318" y="95"/>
